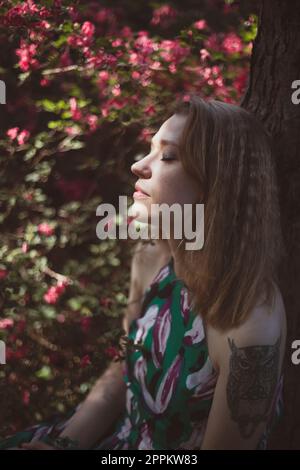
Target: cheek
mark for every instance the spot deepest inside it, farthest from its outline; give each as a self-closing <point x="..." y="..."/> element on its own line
<point x="165" y="186"/>
<point x="178" y="188"/>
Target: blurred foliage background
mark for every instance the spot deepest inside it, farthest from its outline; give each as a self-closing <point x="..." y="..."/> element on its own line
<point x="87" y="85"/>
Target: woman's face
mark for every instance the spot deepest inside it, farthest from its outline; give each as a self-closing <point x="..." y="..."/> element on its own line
<point x="160" y="173"/>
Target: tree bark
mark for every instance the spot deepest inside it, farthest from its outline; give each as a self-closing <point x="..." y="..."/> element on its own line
<point x="275" y="64"/>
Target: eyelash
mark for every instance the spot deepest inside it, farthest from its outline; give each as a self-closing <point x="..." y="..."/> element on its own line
<point x="164" y="159"/>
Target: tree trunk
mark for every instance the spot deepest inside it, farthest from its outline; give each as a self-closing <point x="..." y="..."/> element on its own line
<point x="275" y="65"/>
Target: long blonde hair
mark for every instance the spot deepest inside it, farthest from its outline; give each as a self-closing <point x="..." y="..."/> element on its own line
<point x="229" y="153"/>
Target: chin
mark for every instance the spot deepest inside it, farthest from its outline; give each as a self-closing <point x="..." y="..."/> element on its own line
<point x="139" y="211"/>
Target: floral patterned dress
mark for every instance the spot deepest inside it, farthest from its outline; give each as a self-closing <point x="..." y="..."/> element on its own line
<point x="169" y="377"/>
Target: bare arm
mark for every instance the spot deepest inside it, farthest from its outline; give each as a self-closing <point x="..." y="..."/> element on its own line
<point x="107" y="399"/>
<point x="249" y="358"/>
<point x="100" y="409"/>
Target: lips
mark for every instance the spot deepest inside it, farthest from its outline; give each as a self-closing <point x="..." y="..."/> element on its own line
<point x="138" y="188"/>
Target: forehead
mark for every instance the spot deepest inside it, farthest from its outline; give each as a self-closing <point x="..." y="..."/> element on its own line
<point x="172" y="128"/>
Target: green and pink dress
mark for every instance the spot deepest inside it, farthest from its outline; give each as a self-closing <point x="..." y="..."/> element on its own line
<point x="169" y="376"/>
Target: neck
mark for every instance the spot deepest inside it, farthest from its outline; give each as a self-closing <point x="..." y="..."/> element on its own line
<point x="168" y="249"/>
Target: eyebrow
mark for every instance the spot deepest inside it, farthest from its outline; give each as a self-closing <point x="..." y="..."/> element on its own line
<point x="164" y="142"/>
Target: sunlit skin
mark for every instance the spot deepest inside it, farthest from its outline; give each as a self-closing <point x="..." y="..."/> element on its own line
<point x="164" y="181"/>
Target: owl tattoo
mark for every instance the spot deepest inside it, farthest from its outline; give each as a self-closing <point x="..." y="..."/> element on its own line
<point x="251" y="384"/>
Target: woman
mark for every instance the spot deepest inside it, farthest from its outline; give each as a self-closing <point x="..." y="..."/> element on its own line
<point x="203" y="368"/>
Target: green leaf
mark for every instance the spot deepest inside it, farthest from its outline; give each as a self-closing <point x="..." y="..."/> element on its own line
<point x="75" y="303"/>
<point x="29" y="154"/>
<point x="55" y="124"/>
<point x="48" y="311"/>
<point x="23" y="76"/>
<point x="44" y="373"/>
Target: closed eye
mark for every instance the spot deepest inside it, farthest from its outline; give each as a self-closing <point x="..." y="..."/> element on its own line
<point x="167" y="158"/>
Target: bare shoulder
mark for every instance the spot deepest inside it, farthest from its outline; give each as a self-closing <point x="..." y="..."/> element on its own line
<point x="264" y="328"/>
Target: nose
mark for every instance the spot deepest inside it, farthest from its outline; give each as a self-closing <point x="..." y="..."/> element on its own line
<point x="141" y="169"/>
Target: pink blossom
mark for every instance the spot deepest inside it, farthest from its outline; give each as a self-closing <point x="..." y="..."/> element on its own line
<point x="3" y="273"/>
<point x="133" y="58"/>
<point x="22" y="323"/>
<point x="103" y="15"/>
<point x="6" y="323"/>
<point x="201" y="24"/>
<point x="15" y="14"/>
<point x="72" y="130"/>
<point x="36" y="36"/>
<point x="150" y="110"/>
<point x="85" y="361"/>
<point x="88" y="29"/>
<point x="212" y="42"/>
<point x="24" y="247"/>
<point x="85" y="324"/>
<point x="204" y="54"/>
<point x="145" y="82"/>
<point x="219" y="82"/>
<point x="103" y="75"/>
<point x="135" y="75"/>
<point x="28" y="196"/>
<point x="75" y="111"/>
<point x="144" y="44"/>
<point x="74" y="40"/>
<point x="240" y="81"/>
<point x="23" y="137"/>
<point x="232" y="43"/>
<point x="206" y="73"/>
<point x="92" y="120"/>
<point x="12" y="133"/>
<point x="156" y="65"/>
<point x="172" y="51"/>
<point x="43" y="13"/>
<point x="54" y="292"/>
<point x="61" y="286"/>
<point x="74" y="14"/>
<point x="26" y="397"/>
<point x="117" y="42"/>
<point x="164" y="16"/>
<point x="145" y="134"/>
<point x="126" y="32"/>
<point x="65" y="59"/>
<point x="44" y="82"/>
<point x="44" y="25"/>
<point x="105" y="111"/>
<point x="26" y="52"/>
<point x="51" y="296"/>
<point x="116" y="91"/>
<point x="113" y="103"/>
<point x="45" y="229"/>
